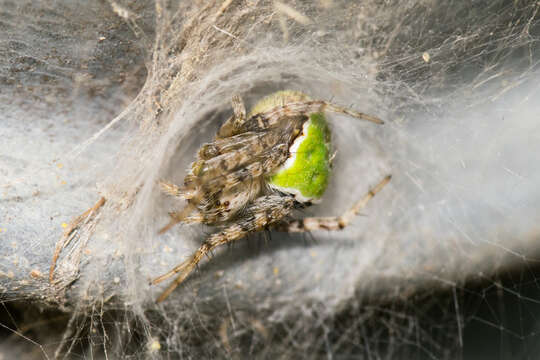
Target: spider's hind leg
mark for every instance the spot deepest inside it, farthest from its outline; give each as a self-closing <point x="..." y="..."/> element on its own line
<point x="333" y="222"/>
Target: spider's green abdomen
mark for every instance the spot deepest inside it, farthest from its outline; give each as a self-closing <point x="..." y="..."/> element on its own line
<point x="306" y="172"/>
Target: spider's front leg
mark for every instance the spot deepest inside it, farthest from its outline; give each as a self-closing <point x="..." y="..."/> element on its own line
<point x="248" y="175"/>
<point x="264" y="211"/>
<point x="334" y="222"/>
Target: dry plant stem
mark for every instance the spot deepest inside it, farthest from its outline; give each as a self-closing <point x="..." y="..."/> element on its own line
<point x="235" y="232"/>
<point x="70" y="232"/>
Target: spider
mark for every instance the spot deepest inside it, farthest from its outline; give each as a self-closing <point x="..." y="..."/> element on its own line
<point x="260" y="167"/>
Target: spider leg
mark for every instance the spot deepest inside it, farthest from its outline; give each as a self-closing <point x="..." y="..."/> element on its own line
<point x="177" y="217"/>
<point x="270" y="162"/>
<point x="359" y="115"/>
<point x="264" y="211"/>
<point x="225" y="163"/>
<point x="204" y="193"/>
<point x="232" y="124"/>
<point x="175" y="190"/>
<point x="223" y="145"/>
<point x="211" y="212"/>
<point x="337" y="222"/>
<point x="254" y="147"/>
<point x="239" y="110"/>
<point x="276" y="115"/>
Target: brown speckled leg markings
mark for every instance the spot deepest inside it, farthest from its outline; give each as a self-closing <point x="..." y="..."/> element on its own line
<point x="251" y="172"/>
<point x="334" y="223"/>
<point x="263" y="212"/>
<point x="231" y="126"/>
<point x="272" y="117"/>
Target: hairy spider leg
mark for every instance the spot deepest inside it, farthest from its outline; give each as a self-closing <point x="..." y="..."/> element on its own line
<point x="177" y="217"/>
<point x="236" y="121"/>
<point x="277" y="114"/>
<point x="247" y="140"/>
<point x="249" y="174"/>
<point x="239" y="110"/>
<point x="198" y="188"/>
<point x="263" y="212"/>
<point x="266" y="165"/>
<point x="336" y="222"/>
<point x="216" y="166"/>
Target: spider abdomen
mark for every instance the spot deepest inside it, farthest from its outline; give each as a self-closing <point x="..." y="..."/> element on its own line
<point x="306" y="171"/>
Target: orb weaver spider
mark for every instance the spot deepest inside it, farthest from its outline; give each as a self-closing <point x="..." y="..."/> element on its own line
<point x="260" y="167"/>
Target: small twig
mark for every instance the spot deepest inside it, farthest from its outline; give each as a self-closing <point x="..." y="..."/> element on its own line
<point x="225" y="32"/>
<point x="292" y="13"/>
<point x="222" y="9"/>
<point x="67" y="236"/>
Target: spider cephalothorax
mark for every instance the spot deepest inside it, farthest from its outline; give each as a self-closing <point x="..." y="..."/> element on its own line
<point x="259" y="168"/>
